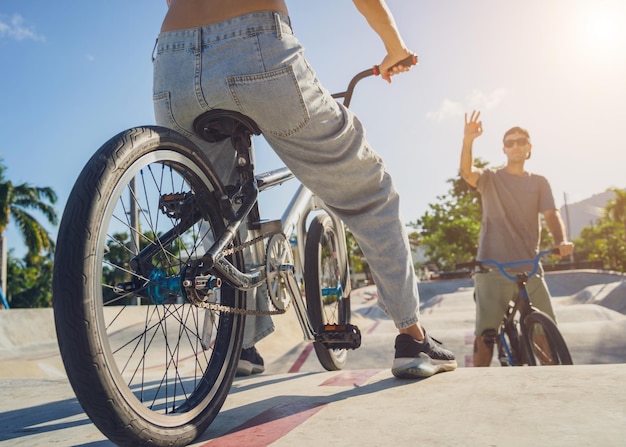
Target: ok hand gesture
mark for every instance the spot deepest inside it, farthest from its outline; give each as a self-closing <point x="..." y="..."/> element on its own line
<point x="473" y="127"/>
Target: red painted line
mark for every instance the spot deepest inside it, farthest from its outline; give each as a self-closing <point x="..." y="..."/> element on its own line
<point x="469" y="360"/>
<point x="301" y="359"/>
<point x="369" y="296"/>
<point x="469" y="338"/>
<point x="351" y="378"/>
<point x="373" y="328"/>
<point x="269" y="426"/>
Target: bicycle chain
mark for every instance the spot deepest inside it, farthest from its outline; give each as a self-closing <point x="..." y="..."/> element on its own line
<point x="237" y="310"/>
<point x="241" y="247"/>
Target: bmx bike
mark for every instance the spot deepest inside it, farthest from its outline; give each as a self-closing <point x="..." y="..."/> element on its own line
<point x="526" y="336"/>
<point x="155" y="265"/>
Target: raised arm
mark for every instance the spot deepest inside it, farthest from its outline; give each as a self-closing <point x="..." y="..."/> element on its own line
<point x="473" y="129"/>
<point x="381" y="20"/>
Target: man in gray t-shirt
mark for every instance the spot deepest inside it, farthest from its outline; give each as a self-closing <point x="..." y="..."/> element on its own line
<point x="512" y="201"/>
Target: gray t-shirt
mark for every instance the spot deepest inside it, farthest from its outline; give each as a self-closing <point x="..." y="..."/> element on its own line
<point x="510" y="228"/>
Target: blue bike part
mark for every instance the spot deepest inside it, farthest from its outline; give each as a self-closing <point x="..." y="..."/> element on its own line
<point x="509" y="355"/>
<point x="162" y="286"/>
<point x="332" y="291"/>
<point x="329" y="294"/>
<point x="502" y="266"/>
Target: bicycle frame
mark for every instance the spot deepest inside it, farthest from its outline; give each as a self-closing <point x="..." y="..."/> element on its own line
<point x="294" y="219"/>
<point x="522" y="306"/>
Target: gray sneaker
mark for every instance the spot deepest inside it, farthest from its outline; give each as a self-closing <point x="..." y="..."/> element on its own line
<point x="415" y="359"/>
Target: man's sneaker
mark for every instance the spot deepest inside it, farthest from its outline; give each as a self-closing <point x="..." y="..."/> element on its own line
<point x="416" y="359"/>
<point x="250" y="362"/>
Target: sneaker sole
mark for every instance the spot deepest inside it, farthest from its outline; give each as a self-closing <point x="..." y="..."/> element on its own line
<point x="246" y="368"/>
<point x="414" y="368"/>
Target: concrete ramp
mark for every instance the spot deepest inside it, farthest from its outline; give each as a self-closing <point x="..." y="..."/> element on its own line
<point x="297" y="402"/>
<point x="572" y="282"/>
<point x="610" y="295"/>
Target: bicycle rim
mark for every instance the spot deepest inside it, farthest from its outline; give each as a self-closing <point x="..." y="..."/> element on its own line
<point x="323" y="279"/>
<point x="147" y="366"/>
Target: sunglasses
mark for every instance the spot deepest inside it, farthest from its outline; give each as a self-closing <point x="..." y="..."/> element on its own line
<point x="520" y="142"/>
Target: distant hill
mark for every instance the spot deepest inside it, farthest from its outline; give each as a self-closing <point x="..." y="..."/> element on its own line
<point x="584" y="213"/>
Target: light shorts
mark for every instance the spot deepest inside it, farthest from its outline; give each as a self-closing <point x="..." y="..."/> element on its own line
<point x="493" y="293"/>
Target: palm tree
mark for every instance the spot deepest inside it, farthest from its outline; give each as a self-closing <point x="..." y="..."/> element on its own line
<point x="15" y="203"/>
<point x="615" y="210"/>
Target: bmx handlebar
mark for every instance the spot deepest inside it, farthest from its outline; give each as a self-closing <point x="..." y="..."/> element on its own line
<point x="374" y="71"/>
<point x="501" y="266"/>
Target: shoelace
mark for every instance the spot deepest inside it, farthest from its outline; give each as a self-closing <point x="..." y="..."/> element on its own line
<point x="434" y="339"/>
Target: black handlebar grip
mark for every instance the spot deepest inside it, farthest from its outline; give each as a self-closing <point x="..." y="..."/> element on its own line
<point x="409" y="61"/>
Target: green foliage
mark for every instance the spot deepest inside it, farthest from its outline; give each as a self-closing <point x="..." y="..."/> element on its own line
<point x="30" y="282"/>
<point x="358" y="263"/>
<point x="606" y="241"/>
<point x="449" y="230"/>
<point x="16" y="201"/>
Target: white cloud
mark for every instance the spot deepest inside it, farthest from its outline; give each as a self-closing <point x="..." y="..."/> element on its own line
<point x="447" y="109"/>
<point x="14" y="28"/>
<point x="479" y="100"/>
<point x="476" y="100"/>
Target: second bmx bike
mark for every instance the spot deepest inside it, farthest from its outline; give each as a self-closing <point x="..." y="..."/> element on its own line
<point x="526" y="336"/>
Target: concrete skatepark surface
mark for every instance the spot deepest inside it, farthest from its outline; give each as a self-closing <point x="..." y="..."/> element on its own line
<point x="297" y="402"/>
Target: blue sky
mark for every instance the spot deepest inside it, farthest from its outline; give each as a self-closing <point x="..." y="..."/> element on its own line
<point x="74" y="75"/>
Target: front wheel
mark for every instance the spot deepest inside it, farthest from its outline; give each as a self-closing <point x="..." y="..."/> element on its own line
<point x="148" y="366"/>
<point x="545" y="343"/>
<point x="325" y="285"/>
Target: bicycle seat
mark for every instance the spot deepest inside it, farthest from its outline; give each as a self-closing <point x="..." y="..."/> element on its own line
<point x="218" y="124"/>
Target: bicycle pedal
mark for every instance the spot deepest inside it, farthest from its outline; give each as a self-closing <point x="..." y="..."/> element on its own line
<point x="339" y="336"/>
<point x="176" y="205"/>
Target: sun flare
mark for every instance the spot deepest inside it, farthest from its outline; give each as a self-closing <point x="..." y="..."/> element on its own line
<point x="603" y="29"/>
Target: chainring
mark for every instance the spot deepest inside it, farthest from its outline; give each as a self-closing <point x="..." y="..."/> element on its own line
<point x="278" y="265"/>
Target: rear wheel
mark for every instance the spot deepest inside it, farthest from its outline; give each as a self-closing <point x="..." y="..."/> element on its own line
<point x="325" y="284"/>
<point x="147" y="365"/>
<point x="545" y="342"/>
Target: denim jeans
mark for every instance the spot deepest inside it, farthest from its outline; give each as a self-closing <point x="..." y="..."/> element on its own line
<point x="254" y="64"/>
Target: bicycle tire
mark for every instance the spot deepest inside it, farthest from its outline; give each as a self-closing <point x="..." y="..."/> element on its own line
<point x="323" y="275"/>
<point x="156" y="373"/>
<point x="546" y="345"/>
